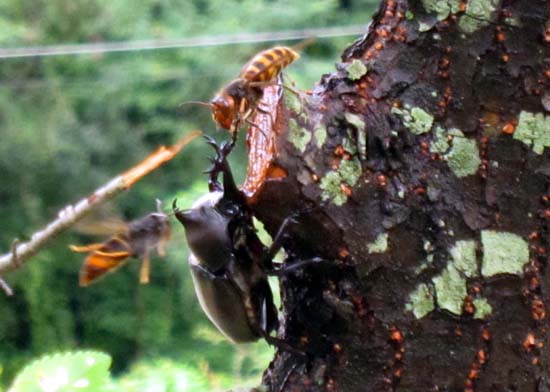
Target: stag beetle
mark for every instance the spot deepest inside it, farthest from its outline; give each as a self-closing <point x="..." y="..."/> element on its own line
<point x="229" y="264"/>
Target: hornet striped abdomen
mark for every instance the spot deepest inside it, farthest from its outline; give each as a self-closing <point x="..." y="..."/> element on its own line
<point x="266" y="65"/>
<point x="238" y="100"/>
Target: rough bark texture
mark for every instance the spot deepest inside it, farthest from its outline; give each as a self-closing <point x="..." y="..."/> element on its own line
<point x="429" y="176"/>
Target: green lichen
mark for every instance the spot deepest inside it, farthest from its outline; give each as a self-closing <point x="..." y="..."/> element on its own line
<point x="503" y="253"/>
<point x="350" y="171"/>
<point x="440" y="144"/>
<point x="380" y="244"/>
<point x="441" y="7"/>
<point x="361" y="135"/>
<point x="409" y="15"/>
<point x="349" y="143"/>
<point x="463" y="158"/>
<point x="513" y="21"/>
<point x="533" y="129"/>
<point x="479" y="13"/>
<point x="450" y="288"/>
<point x="421" y="301"/>
<point x="291" y="98"/>
<point x="455" y="132"/>
<point x="464" y="257"/>
<point x="356" y="69"/>
<point x="330" y="185"/>
<point x="423" y="26"/>
<point x="298" y="136"/>
<point x="355" y="120"/>
<point x="483" y="308"/>
<point x="357" y="136"/>
<point x="422" y="267"/>
<point x="320" y="134"/>
<point x="416" y="119"/>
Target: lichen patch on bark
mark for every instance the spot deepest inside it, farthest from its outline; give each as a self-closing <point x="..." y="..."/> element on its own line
<point x="463" y="158"/>
<point x="421" y="301"/>
<point x="416" y="119"/>
<point x="356" y="69"/>
<point x="479" y="13"/>
<point x="464" y="257"/>
<point x="533" y="129"/>
<point x="380" y="244"/>
<point x="503" y="253"/>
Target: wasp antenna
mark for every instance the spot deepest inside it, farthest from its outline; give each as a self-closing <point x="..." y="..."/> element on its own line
<point x="196" y="103"/>
<point x="304" y="44"/>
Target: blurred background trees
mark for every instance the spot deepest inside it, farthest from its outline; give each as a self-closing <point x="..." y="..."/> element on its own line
<point x="69" y="123"/>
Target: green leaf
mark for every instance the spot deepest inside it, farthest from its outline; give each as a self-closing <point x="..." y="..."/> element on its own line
<point x="82" y="371"/>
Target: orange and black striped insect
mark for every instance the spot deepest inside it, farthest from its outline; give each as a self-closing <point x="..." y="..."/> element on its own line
<point x="135" y="239"/>
<point x="236" y="102"/>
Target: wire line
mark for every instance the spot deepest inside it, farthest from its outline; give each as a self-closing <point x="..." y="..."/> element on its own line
<point x="174" y="43"/>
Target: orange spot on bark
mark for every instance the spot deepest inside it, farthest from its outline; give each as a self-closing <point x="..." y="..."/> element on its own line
<point x="509" y="129"/>
<point x="382" y="180"/>
<point x="276" y="172"/>
<point x="538" y="309"/>
<point x="339" y="151"/>
<point x="529" y="342"/>
<point x="346" y="189"/>
<point x="396" y="335"/>
<point x="343" y="252"/>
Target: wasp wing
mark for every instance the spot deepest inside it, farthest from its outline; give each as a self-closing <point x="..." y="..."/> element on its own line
<point x="109" y="257"/>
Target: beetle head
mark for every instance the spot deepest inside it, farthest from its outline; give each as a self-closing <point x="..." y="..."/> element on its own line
<point x="206" y="230"/>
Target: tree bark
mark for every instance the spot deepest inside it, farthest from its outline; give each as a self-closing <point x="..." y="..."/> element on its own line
<point x="421" y="169"/>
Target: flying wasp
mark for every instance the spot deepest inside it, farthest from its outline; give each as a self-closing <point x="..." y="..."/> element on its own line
<point x="135" y="239"/>
<point x="238" y="100"/>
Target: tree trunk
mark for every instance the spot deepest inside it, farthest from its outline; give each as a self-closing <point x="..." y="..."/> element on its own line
<point x="422" y="174"/>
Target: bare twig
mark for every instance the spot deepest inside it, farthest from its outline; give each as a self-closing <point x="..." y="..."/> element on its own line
<point x="69" y="215"/>
<point x="6" y="287"/>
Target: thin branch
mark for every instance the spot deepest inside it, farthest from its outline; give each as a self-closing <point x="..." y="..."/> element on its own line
<point x="6" y="287"/>
<point x="71" y="214"/>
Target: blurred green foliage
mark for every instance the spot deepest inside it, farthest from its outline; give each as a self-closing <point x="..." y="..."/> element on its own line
<point x="70" y="123"/>
<point x="83" y="371"/>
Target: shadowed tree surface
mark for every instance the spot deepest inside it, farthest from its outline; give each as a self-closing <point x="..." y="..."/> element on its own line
<point x="425" y="162"/>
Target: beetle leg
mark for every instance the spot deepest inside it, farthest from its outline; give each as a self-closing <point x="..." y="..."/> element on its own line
<point x="206" y="272"/>
<point x="219" y="164"/>
<point x="282" y="345"/>
<point x="289" y="268"/>
<point x="280" y="236"/>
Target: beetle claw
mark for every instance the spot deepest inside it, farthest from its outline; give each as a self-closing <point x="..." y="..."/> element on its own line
<point x="283" y="345"/>
<point x="219" y="162"/>
<point x="175" y="208"/>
